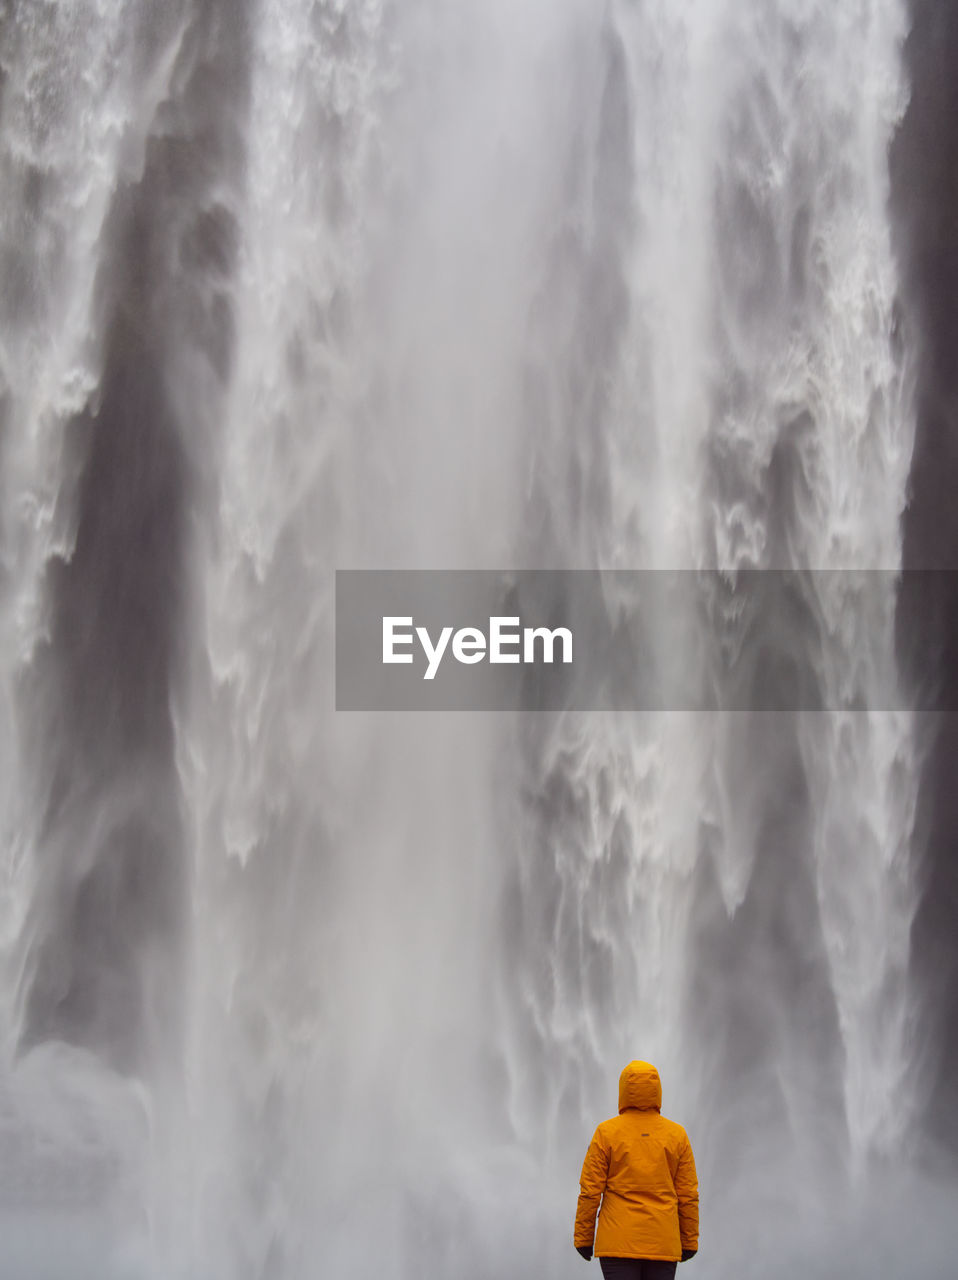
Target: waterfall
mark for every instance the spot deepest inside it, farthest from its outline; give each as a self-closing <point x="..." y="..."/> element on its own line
<point x="298" y="285"/>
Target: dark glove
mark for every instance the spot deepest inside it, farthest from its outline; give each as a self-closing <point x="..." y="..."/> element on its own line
<point x="585" y="1251"/>
<point x="688" y="1253"/>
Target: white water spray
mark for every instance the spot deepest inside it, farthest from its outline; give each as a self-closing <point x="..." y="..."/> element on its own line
<point x="537" y="285"/>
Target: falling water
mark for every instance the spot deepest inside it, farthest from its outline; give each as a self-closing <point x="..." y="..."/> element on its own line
<point x="292" y="285"/>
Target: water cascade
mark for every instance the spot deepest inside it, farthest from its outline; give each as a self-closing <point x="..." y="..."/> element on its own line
<point x="297" y="285"/>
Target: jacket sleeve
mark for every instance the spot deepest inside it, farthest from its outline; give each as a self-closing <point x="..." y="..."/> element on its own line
<point x="687" y="1190"/>
<point x="595" y="1170"/>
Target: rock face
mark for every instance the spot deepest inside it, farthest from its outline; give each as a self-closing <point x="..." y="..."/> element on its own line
<point x="924" y="170"/>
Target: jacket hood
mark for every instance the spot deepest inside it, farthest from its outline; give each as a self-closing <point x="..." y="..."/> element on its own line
<point x="640" y="1087"/>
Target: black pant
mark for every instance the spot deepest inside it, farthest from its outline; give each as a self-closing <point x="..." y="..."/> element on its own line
<point x="637" y="1269"/>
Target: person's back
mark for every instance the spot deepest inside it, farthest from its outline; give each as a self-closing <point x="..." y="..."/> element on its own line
<point x="640" y="1166"/>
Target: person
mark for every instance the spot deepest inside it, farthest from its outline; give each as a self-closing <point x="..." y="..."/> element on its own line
<point x="640" y="1166"/>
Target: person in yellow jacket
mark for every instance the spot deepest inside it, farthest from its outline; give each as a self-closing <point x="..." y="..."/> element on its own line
<point x="640" y="1166"/>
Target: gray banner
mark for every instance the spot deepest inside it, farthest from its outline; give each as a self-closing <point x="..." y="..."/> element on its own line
<point x="538" y="640"/>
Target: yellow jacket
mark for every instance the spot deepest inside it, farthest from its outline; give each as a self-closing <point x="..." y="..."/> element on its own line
<point x="640" y="1165"/>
